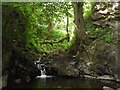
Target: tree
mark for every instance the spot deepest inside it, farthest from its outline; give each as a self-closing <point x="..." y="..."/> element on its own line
<point x="79" y="20"/>
<point x="79" y="25"/>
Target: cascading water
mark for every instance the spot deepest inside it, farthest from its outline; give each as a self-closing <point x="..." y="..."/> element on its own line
<point x="43" y="72"/>
<point x="41" y="67"/>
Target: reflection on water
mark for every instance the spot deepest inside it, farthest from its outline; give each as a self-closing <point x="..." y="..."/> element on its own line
<point x="66" y="83"/>
<point x="57" y="82"/>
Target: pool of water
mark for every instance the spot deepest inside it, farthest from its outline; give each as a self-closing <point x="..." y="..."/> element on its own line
<point x="58" y="82"/>
<point x="67" y="83"/>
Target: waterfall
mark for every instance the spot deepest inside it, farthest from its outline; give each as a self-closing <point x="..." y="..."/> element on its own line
<point x="43" y="71"/>
<point x="41" y="67"/>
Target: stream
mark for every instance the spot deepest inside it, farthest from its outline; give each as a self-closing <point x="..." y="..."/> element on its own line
<point x="66" y="83"/>
<point x="46" y="82"/>
<point x="58" y="82"/>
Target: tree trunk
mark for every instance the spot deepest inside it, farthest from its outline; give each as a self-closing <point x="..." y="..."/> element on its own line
<point x="79" y="26"/>
<point x="79" y="20"/>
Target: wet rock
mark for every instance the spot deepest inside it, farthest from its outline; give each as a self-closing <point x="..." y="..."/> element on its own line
<point x="106" y="77"/>
<point x="17" y="81"/>
<point x="4" y="80"/>
<point x="63" y="69"/>
<point x="21" y="69"/>
<point x="68" y="71"/>
<point x="107" y="88"/>
<point x="89" y="77"/>
<point x="118" y="89"/>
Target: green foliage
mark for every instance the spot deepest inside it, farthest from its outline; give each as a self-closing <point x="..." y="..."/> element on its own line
<point x="107" y="38"/>
<point x="56" y="47"/>
<point x="90" y="28"/>
<point x="56" y="35"/>
<point x="42" y="18"/>
<point x="13" y="24"/>
<point x="101" y="33"/>
<point x="87" y="9"/>
<point x="46" y="21"/>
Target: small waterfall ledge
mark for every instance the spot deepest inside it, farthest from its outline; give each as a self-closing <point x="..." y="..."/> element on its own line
<point x="41" y="67"/>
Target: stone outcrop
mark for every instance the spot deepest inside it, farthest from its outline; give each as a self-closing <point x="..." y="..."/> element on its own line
<point x="17" y="64"/>
<point x="117" y="36"/>
<point x="102" y="58"/>
<point x="64" y="69"/>
<point x="103" y="14"/>
<point x="60" y="66"/>
<point x="105" y="59"/>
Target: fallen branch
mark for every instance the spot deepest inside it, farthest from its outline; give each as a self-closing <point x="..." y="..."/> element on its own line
<point x="53" y="42"/>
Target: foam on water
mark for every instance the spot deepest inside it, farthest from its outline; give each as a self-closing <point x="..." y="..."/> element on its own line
<point x="41" y="67"/>
<point x="43" y="76"/>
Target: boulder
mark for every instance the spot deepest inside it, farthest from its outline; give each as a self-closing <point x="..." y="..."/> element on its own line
<point x="62" y="69"/>
<point x="107" y="88"/>
<point x="118" y="89"/>
<point x="106" y="77"/>
<point x="4" y="80"/>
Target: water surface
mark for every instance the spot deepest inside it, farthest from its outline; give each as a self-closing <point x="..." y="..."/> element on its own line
<point x="58" y="82"/>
